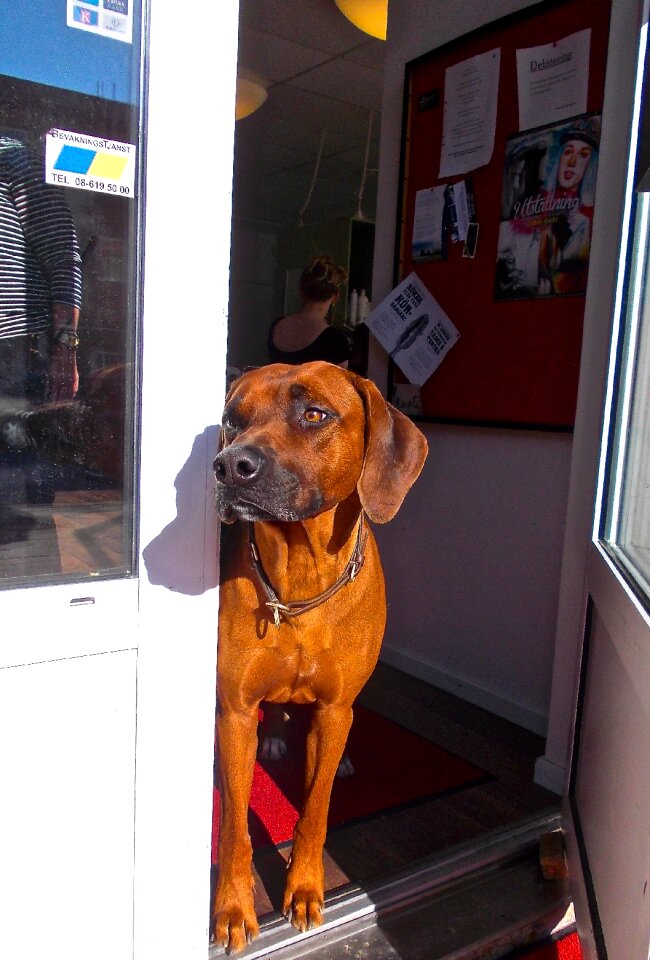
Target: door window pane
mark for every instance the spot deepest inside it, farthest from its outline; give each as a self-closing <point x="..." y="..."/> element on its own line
<point x="627" y="524"/>
<point x="69" y="211"/>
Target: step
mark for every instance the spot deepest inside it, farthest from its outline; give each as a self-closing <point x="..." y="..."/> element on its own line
<point x="478" y="900"/>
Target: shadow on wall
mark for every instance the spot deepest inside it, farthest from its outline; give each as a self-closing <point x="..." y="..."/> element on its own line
<point x="191" y="576"/>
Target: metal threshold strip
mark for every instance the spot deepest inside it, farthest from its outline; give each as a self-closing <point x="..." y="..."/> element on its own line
<point x="353" y="908"/>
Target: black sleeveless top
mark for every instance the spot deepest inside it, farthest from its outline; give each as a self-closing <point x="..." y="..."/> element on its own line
<point x="331" y="345"/>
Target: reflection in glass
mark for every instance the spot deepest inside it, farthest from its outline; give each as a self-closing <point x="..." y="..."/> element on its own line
<point x="627" y="523"/>
<point x="67" y="313"/>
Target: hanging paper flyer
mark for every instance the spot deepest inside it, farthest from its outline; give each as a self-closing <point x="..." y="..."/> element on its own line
<point x="412" y="326"/>
<point x="429" y="223"/>
<point x="460" y="202"/>
<point x="552" y="80"/>
<point x="470" y="116"/>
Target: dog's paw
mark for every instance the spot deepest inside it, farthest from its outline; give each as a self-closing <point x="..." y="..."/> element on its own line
<point x="272" y="748"/>
<point x="234" y="923"/>
<point x="234" y="927"/>
<point x="345" y="768"/>
<point x="303" y="907"/>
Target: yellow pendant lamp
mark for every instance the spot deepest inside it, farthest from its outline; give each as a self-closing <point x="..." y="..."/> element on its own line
<point x="371" y="16"/>
<point x="251" y="94"/>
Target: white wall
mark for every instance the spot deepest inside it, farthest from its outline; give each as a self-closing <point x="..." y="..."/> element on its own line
<point x="473" y="564"/>
<point x="473" y="558"/>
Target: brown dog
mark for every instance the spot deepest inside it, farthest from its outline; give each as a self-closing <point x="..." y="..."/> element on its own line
<point x="308" y="452"/>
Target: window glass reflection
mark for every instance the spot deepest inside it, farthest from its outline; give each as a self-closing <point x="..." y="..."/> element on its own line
<point x="628" y="518"/>
<point x="68" y="219"/>
<point x="626" y="529"/>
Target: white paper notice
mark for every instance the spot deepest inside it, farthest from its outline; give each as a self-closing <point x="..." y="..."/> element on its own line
<point x="553" y="80"/>
<point x="412" y="326"/>
<point x="471" y="93"/>
<point x="427" y="243"/>
<point x="462" y="210"/>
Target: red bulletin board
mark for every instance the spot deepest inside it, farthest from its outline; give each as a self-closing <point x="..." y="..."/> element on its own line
<point x="516" y="362"/>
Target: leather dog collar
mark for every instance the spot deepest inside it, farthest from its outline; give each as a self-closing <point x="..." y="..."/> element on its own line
<point x="295" y="607"/>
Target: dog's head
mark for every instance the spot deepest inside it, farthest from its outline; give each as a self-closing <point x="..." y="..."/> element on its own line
<point x="297" y="440"/>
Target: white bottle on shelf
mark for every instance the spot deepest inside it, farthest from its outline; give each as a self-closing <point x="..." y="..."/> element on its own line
<point x="363" y="307"/>
<point x="353" y="310"/>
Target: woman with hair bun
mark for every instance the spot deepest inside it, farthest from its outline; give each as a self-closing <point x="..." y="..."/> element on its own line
<point x="308" y="334"/>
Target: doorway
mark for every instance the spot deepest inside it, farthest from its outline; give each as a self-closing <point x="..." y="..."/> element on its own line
<point x="306" y="164"/>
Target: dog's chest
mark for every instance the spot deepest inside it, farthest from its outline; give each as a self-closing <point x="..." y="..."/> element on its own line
<point x="303" y="671"/>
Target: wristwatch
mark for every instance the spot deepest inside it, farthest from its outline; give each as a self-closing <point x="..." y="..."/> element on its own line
<point x="67" y="336"/>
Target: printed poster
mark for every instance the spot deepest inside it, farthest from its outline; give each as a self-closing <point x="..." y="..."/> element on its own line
<point x="547" y="204"/>
<point x="412" y="326"/>
<point x="429" y="224"/>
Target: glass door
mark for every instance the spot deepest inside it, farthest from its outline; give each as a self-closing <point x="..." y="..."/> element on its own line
<point x="609" y="786"/>
<point x="626" y="527"/>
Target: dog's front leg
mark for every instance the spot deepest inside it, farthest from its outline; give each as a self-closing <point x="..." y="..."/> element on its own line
<point x="233" y="913"/>
<point x="304" y="893"/>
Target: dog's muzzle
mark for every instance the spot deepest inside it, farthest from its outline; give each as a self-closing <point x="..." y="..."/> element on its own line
<point x="237" y="470"/>
<point x="239" y="466"/>
<point x="251" y="485"/>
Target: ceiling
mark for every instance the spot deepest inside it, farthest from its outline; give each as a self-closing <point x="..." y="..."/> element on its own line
<point x="324" y="81"/>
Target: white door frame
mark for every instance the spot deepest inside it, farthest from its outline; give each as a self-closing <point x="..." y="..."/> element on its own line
<point x="190" y="129"/>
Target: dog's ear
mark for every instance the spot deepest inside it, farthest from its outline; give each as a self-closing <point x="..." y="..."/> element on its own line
<point x="394" y="456"/>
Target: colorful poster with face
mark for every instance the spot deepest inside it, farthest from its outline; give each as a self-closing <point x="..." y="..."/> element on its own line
<point x="547" y="205"/>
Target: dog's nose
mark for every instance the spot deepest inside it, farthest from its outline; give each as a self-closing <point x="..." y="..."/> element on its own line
<point x="238" y="466"/>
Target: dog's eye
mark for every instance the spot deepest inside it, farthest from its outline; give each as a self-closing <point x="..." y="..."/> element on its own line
<point x="314" y="415"/>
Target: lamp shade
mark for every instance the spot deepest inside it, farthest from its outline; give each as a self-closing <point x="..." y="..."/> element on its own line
<point x="250" y="95"/>
<point x="371" y="16"/>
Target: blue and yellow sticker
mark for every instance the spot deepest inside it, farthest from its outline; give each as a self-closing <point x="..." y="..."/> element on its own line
<point x="86" y="162"/>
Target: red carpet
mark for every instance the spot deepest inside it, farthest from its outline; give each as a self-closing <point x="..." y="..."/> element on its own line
<point x="394" y="767"/>
<point x="568" y="948"/>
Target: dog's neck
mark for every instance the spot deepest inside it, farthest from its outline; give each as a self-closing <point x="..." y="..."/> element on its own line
<point x="304" y="557"/>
